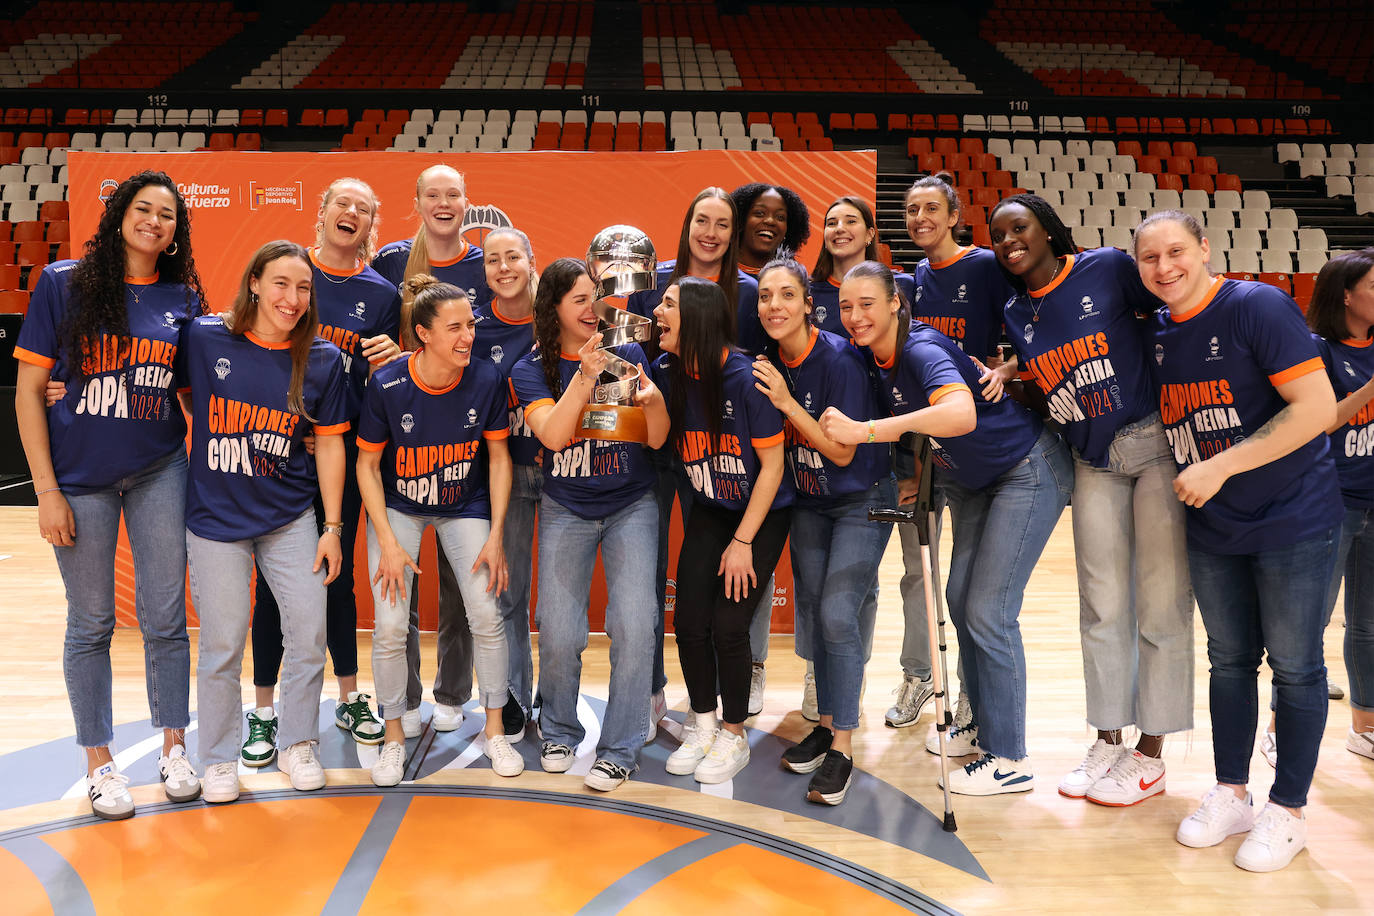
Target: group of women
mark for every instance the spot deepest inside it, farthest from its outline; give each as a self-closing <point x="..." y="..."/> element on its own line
<point x="1191" y="417"/>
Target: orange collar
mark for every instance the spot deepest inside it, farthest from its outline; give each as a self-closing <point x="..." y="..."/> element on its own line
<point x="810" y="345"/>
<point x="1206" y="301"/>
<point x="941" y="265"/>
<point x="1063" y="275"/>
<point x="284" y="345"/>
<point x="357" y="266"/>
<point x="419" y="383"/>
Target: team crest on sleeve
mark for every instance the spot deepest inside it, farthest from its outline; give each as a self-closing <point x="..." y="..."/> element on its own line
<point x="407" y="423"/>
<point x="497" y="354"/>
<point x="222" y="368"/>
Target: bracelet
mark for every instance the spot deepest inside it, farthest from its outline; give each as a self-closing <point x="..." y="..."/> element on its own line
<point x="872" y="433"/>
<point x="334" y="528"/>
<point x="745" y="543"/>
<point x="48" y="490"/>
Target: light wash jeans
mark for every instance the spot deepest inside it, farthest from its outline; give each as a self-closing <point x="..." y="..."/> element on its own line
<point x="1355" y="563"/>
<point x="1135" y="600"/>
<point x="220" y="575"/>
<point x="461" y="539"/>
<point x="1271" y="602"/>
<point x="526" y="489"/>
<point x="999" y="533"/>
<point x="628" y="540"/>
<point x="836" y="552"/>
<point x="153" y="502"/>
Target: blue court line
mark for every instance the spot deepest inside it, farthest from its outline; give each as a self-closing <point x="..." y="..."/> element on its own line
<point x="622" y="892"/>
<point x="66" y="891"/>
<point x="361" y="870"/>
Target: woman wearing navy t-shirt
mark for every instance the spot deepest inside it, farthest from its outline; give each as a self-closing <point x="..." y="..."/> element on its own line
<point x="730" y="440"/>
<point x="111" y="445"/>
<point x="1245" y="406"/>
<point x="360" y="314"/>
<point x="849" y="237"/>
<point x="1077" y="324"/>
<point x="256" y="377"/>
<point x="596" y="493"/>
<point x="432" y="451"/>
<point x="1006" y="480"/>
<point x="836" y="550"/>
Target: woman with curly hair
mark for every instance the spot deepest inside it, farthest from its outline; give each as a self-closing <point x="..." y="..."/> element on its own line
<point x="771" y="218"/>
<point x="112" y="445"/>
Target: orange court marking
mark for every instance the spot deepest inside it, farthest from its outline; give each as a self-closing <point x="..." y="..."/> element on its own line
<point x="23" y="892"/>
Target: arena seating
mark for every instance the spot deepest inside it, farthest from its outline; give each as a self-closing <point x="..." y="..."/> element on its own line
<point x="1338" y="44"/>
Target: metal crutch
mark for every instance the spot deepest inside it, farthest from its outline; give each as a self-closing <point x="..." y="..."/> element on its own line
<point x="922" y="515"/>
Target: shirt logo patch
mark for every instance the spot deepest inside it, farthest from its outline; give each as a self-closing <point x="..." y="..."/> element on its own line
<point x="1087" y="303"/>
<point x="169" y="319"/>
<point x="1159" y="354"/>
<point x="962" y="293"/>
<point x="472" y="417"/>
<point x="1349" y="370"/>
<point x="820" y="314"/>
<point x="807" y="402"/>
<point x="1214" y="348"/>
<point x="1029" y="331"/>
<point x="222" y="368"/>
<point x="919" y="291"/>
<point x="729" y="409"/>
<point x="897" y="396"/>
<point x="407" y="423"/>
<point x="358" y="309"/>
<point x="497" y="354"/>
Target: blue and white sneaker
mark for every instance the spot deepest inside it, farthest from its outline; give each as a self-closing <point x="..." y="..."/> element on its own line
<point x="992" y="775"/>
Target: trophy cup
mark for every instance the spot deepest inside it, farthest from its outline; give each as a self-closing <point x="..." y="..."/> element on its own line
<point x="621" y="261"/>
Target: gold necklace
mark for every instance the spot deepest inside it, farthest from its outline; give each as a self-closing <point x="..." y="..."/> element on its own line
<point x="132" y="292"/>
<point x="1034" y="304"/>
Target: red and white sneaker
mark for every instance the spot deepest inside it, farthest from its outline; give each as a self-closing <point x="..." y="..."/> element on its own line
<point x="1131" y="780"/>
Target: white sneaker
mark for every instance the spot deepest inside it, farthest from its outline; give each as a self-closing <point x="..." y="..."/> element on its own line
<point x="605" y="776"/>
<point x="556" y="758"/>
<point x="410" y="723"/>
<point x="446" y="718"/>
<point x="728" y="755"/>
<point x="109" y="793"/>
<point x="1269" y="748"/>
<point x="505" y="760"/>
<point x="658" y="708"/>
<point x="179" y="779"/>
<point x="300" y="763"/>
<point x="992" y="775"/>
<point x="221" y="782"/>
<point x="810" y="710"/>
<point x="1100" y="758"/>
<point x="390" y="765"/>
<point x="963" y="710"/>
<point x="758" y="679"/>
<point x="1220" y="815"/>
<point x="960" y="741"/>
<point x="1275" y="839"/>
<point x="1132" y="779"/>
<point x="912" y="696"/>
<point x="1361" y="743"/>
<point x="698" y="735"/>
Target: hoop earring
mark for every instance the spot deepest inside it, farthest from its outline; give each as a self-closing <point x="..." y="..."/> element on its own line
<point x="170" y="250"/>
<point x="252" y="298"/>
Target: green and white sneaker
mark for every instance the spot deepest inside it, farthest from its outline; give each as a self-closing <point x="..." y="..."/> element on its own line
<point x="354" y="716"/>
<point x="261" y="747"/>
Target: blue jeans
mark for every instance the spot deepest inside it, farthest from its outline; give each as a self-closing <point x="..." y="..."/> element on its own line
<point x="527" y="486"/>
<point x="153" y="502"/>
<point x="567" y="556"/>
<point x="1135" y="601"/>
<point x="1355" y="562"/>
<point x="220" y="574"/>
<point x="836" y="552"/>
<point x="999" y="533"/>
<point x="1270" y="601"/>
<point x="460" y="539"/>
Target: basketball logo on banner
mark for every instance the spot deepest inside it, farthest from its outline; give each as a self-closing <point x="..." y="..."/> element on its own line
<point x="481" y="220"/>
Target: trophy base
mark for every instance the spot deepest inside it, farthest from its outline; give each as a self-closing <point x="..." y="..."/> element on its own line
<point x="614" y="422"/>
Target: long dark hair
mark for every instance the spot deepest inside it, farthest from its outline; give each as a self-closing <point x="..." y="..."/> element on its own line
<point x="874" y="270"/>
<point x="244" y="313"/>
<point x="554" y="283"/>
<point x="97" y="282"/>
<point x="825" y="261"/>
<point x="798" y="217"/>
<point x="942" y="182"/>
<point x="1326" y="314"/>
<point x="705" y="321"/>
<point x="729" y="265"/>
<point x="1061" y="239"/>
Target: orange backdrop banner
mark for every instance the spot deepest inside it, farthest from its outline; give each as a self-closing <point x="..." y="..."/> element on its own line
<point x="239" y="200"/>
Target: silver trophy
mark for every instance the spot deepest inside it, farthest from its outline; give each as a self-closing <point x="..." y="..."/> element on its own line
<point x="621" y="261"/>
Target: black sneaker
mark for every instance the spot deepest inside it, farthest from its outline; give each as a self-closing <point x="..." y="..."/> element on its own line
<point x="831" y="782"/>
<point x="806" y="756"/>
<point x="513" y="719"/>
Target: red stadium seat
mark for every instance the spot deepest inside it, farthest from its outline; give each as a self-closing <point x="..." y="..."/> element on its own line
<point x="8" y="253"/>
<point x="1279" y="280"/>
<point x="1206" y="165"/>
<point x="865" y="121"/>
<point x="923" y="122"/>
<point x="1200" y="182"/>
<point x="251" y="117"/>
<point x="6" y="227"/>
<point x="29" y="253"/>
<point x="59" y="231"/>
<point x="947" y="123"/>
<point x="248" y="141"/>
<point x="221" y="140"/>
<point x="897" y="122"/>
<point x="311" y="117"/>
<point x="981" y="236"/>
<point x="1129" y="148"/>
<point x="1247" y="126"/>
<point x="1168" y="182"/>
<point x="930" y="163"/>
<point x="15" y="302"/>
<point x="336" y="117"/>
<point x="1179" y="165"/>
<point x="1160" y="148"/>
<point x="917" y="146"/>
<point x="946" y="145"/>
<point x="1227" y="182"/>
<point x="275" y="117"/>
<point x="9" y="276"/>
<point x="28" y="231"/>
<point x="840" y="120"/>
<point x="1223" y="126"/>
<point x="973" y="146"/>
<point x="1303" y="285"/>
<point x="1185" y="148"/>
<point x="1150" y="165"/>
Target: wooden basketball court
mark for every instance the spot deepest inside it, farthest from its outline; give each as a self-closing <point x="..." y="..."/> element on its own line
<point x="462" y="836"/>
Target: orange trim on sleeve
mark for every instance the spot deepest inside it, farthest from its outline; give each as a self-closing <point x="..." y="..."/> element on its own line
<point x="767" y="443"/>
<point x="462" y="254"/>
<point x="1206" y="301"/>
<point x="34" y="359"/>
<point x="496" y="433"/>
<point x="537" y="405"/>
<point x="945" y="391"/>
<point x="941" y="265"/>
<point x="338" y="429"/>
<point x="1306" y="367"/>
<point x="1063" y="275"/>
<point x="371" y="446"/>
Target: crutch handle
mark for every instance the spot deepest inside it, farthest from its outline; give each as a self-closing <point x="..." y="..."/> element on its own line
<point x="899" y="516"/>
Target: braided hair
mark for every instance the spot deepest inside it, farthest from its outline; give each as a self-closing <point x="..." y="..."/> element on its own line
<point x="1061" y="238"/>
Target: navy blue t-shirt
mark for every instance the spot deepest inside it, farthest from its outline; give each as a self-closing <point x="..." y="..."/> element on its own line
<point x="504" y="341"/>
<point x="749" y="332"/>
<point x="354" y="306"/>
<point x="825" y="301"/>
<point x="962" y="297"/>
<point x="1218" y="368"/>
<point x="1349" y="365"/>
<point x="467" y="271"/>
<point x="1081" y="340"/>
